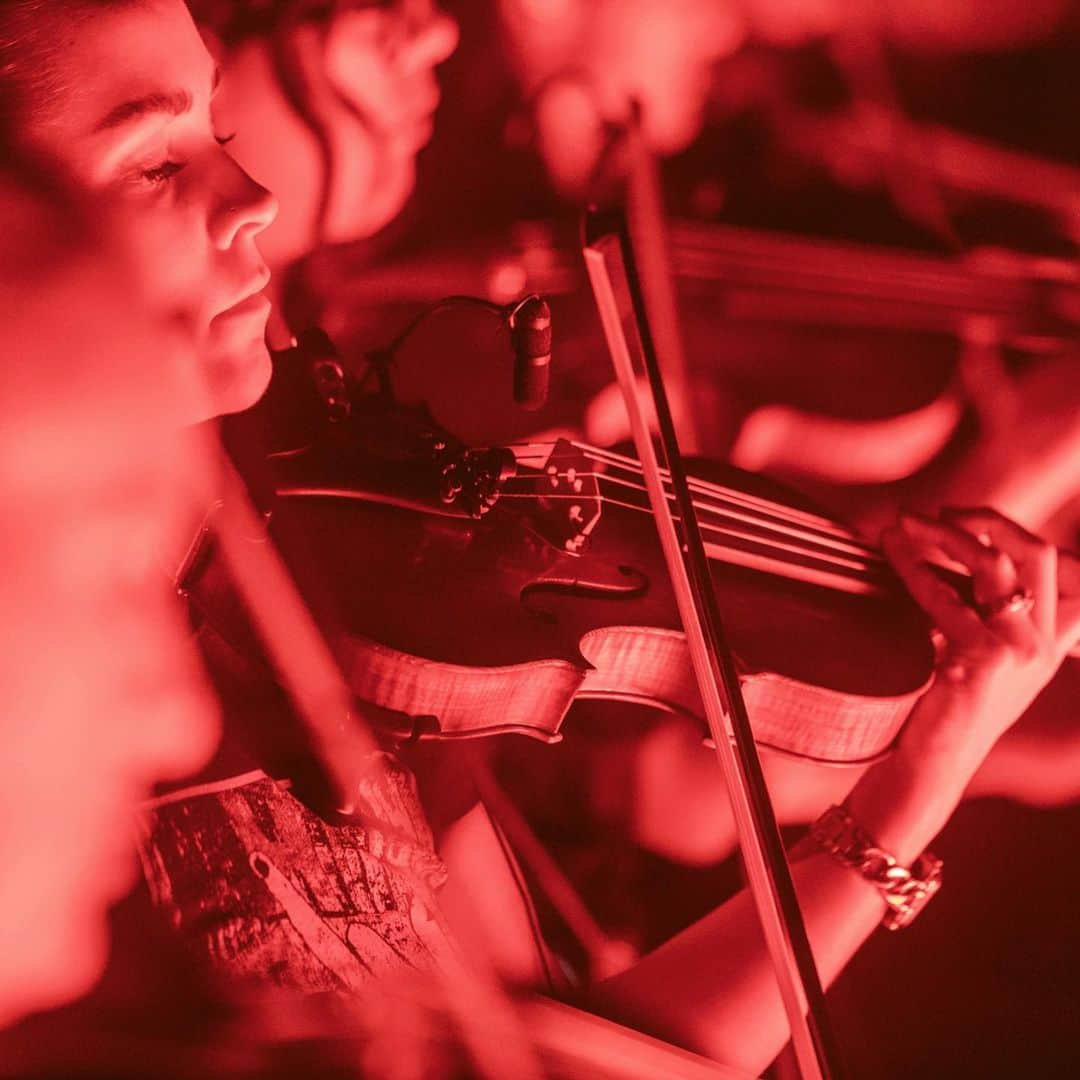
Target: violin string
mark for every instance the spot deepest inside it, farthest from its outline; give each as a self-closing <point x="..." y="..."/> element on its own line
<point x="782" y="542"/>
<point x="788" y="530"/>
<point x="775" y="509"/>
<point x="844" y="545"/>
<point x="547" y="452"/>
<point x="632" y="465"/>
<point x="841" y="567"/>
<point x="801" y="532"/>
<point x="626" y="464"/>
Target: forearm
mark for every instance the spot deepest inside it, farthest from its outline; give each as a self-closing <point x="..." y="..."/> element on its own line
<point x="712" y="987"/>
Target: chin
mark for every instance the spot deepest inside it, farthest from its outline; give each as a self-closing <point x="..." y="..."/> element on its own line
<point x="238" y="379"/>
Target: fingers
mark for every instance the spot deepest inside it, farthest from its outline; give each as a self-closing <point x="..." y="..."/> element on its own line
<point x="1035" y="560"/>
<point x="995" y="576"/>
<point x="952" y="616"/>
<point x="991" y="527"/>
<point x="993" y="572"/>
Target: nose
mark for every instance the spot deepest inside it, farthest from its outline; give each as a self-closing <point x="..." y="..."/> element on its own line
<point x="432" y="40"/>
<point x="242" y="206"/>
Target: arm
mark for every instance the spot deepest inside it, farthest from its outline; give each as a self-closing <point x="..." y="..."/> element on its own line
<point x="712" y="987"/>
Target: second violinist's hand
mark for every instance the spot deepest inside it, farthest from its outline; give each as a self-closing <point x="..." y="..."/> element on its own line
<point x="993" y="662"/>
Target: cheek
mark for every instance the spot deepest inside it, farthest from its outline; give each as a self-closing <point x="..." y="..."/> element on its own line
<point x="364" y="78"/>
<point x="50" y="958"/>
<point x="173" y="259"/>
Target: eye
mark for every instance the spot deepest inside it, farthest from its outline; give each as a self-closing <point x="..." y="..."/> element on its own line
<point x="224" y="140"/>
<point x="163" y="173"/>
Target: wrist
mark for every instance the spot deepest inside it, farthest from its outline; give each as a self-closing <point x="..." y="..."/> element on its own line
<point x="947" y="733"/>
<point x="905" y="889"/>
<point x="905" y="800"/>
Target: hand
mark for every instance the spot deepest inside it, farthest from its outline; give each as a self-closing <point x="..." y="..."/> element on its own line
<point x="996" y="656"/>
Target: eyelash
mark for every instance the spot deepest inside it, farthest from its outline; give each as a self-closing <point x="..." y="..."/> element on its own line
<point x="163" y="173"/>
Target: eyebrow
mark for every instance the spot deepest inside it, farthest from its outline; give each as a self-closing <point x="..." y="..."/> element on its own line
<point x="169" y="102"/>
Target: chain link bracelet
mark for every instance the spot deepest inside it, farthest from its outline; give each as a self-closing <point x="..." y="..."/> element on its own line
<point x="906" y="891"/>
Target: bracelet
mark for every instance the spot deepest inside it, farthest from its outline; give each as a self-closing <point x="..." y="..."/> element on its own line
<point x="906" y="891"/>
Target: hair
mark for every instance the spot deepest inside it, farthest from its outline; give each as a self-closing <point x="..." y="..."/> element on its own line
<point x="30" y="79"/>
<point x="234" y="21"/>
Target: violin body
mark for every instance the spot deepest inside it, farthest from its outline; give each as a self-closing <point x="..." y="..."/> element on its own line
<point x="478" y="622"/>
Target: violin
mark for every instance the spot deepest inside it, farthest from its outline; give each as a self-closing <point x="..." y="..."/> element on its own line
<point x="753" y="276"/>
<point x="482" y="590"/>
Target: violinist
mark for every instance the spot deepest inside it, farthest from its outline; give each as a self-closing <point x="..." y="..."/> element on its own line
<point x="263" y="886"/>
<point x="578" y="64"/>
<point x="102" y="693"/>
<point x="129" y="117"/>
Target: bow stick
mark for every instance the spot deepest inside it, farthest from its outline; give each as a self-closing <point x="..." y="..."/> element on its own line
<point x="653" y="311"/>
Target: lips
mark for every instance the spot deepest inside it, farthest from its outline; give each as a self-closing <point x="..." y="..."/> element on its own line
<point x="250" y="297"/>
<point x="250" y="305"/>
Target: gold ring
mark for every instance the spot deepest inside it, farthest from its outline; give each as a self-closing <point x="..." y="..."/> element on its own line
<point x="1017" y="603"/>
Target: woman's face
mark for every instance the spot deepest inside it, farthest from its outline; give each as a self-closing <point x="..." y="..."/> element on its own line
<point x="134" y="123"/>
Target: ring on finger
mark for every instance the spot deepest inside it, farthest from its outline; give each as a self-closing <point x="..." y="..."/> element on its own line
<point x="1019" y="602"/>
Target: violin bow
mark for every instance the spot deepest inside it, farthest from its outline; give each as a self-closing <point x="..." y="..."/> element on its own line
<point x="638" y="249"/>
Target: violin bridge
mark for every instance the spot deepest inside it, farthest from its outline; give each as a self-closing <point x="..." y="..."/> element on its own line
<point x="560" y="498"/>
